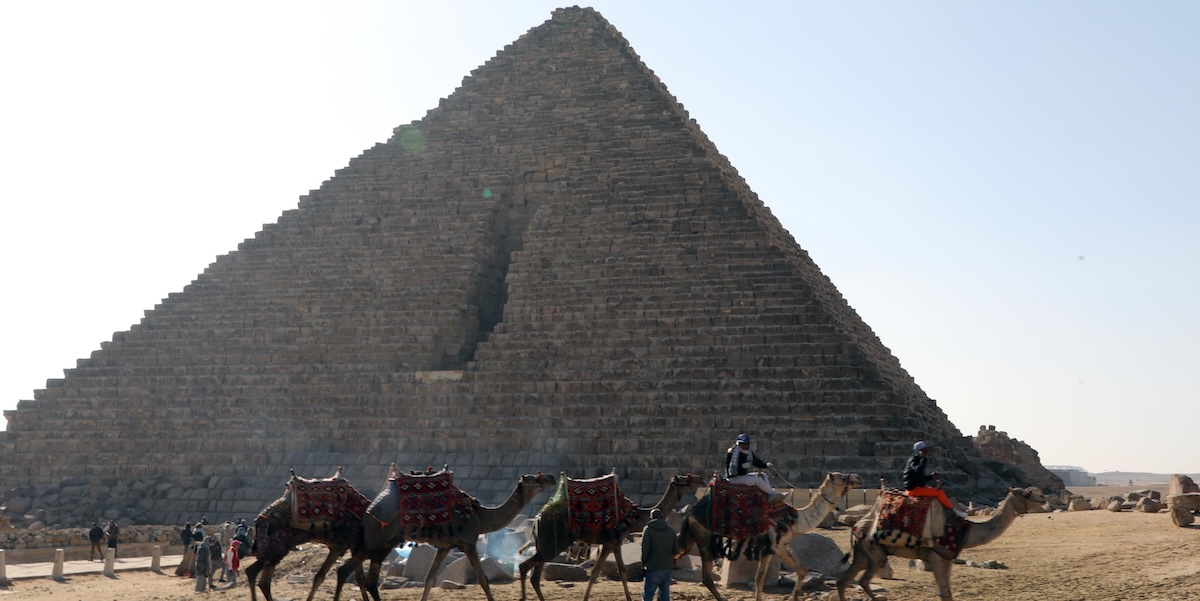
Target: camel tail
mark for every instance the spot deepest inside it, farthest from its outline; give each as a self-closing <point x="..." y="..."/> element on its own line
<point x="845" y="558"/>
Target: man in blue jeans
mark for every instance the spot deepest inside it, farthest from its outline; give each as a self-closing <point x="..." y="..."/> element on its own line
<point x="658" y="557"/>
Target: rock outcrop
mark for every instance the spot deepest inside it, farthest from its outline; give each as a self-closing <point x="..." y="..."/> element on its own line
<point x="998" y="446"/>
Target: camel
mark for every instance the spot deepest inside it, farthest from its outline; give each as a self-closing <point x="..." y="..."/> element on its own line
<point x="275" y="536"/>
<point x="696" y="531"/>
<point x="552" y="535"/>
<point x="379" y="538"/>
<point x="870" y="555"/>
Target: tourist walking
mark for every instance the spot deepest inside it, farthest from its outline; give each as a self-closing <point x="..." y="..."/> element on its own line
<point x="233" y="561"/>
<point x="96" y="536"/>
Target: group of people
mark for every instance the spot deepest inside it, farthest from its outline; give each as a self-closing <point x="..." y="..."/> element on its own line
<point x="97" y="535"/>
<point x="205" y="552"/>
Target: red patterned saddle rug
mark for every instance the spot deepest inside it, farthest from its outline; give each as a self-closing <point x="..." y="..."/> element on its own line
<point x="905" y="521"/>
<point x="739" y="511"/>
<point x="325" y="504"/>
<point x="596" y="508"/>
<point x="425" y="501"/>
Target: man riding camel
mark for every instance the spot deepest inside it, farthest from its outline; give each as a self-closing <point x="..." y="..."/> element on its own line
<point x="916" y="481"/>
<point x="738" y="461"/>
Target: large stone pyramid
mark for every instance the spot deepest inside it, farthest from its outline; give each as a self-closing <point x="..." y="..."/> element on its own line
<point x="553" y="270"/>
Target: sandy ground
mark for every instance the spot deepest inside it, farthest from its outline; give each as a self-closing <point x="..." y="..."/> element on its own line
<point x="1092" y="556"/>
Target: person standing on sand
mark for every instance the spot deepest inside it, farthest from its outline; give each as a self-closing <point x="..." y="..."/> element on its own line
<point x="96" y="536"/>
<point x="114" y="534"/>
<point x="658" y="557"/>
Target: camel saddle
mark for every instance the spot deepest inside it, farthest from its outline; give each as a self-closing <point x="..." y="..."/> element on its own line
<point x="904" y="521"/>
<point x="423" y="501"/>
<point x="597" y="508"/>
<point x="739" y="511"/>
<point x="325" y="504"/>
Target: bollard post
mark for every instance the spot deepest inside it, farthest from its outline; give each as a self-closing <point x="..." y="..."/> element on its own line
<point x="156" y="560"/>
<point x="3" y="569"/>
<point x="108" y="562"/>
<point x="59" y="555"/>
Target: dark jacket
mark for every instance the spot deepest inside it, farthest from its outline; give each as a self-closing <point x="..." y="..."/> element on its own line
<point x="738" y="467"/>
<point x="96" y="534"/>
<point x="914" y="472"/>
<point x="658" y="546"/>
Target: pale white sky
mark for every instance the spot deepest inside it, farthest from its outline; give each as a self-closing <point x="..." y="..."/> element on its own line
<point x="1006" y="192"/>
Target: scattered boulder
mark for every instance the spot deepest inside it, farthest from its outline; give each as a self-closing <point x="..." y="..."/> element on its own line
<point x="1115" y="505"/>
<point x="816" y="553"/>
<point x="1148" y="505"/>
<point x="1181" y="484"/>
<point x="1078" y="503"/>
<point x="1181" y="517"/>
<point x="1190" y="501"/>
<point x="419" y="560"/>
<point x="564" y="572"/>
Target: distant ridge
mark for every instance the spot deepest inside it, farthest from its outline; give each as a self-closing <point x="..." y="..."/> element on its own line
<point x="1119" y="478"/>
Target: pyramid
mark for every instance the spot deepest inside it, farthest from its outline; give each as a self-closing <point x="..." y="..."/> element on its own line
<point x="553" y="270"/>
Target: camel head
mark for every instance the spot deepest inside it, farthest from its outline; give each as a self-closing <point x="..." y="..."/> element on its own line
<point x="1023" y="499"/>
<point x="688" y="482"/>
<point x="838" y="484"/>
<point x="532" y="484"/>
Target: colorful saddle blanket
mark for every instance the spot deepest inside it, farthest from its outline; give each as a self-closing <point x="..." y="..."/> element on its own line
<point x="424" y="501"/>
<point x="739" y="511"/>
<point x="596" y="508"/>
<point x="325" y="504"/>
<point x="917" y="522"/>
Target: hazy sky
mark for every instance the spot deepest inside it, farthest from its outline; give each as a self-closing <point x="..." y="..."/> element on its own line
<point x="1008" y="193"/>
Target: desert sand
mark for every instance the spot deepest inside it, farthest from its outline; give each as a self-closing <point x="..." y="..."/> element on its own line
<point x="1092" y="556"/>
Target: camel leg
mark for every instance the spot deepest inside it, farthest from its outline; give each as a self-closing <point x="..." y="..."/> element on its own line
<point x="319" y="577"/>
<point x="251" y="573"/>
<point x="473" y="557"/>
<point x="605" y="549"/>
<point x="264" y="581"/>
<point x="354" y="564"/>
<point x="941" y="574"/>
<point x="785" y="556"/>
<point x="857" y="563"/>
<point x="621" y="570"/>
<point x="760" y="575"/>
<point x="706" y="576"/>
<point x="434" y="567"/>
<point x="525" y="567"/>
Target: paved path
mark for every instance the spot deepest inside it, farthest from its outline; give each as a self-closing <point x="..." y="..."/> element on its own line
<point x="45" y="569"/>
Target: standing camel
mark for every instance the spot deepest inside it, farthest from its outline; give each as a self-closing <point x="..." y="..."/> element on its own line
<point x="552" y="534"/>
<point x="869" y="554"/>
<point x="696" y="530"/>
<point x="379" y="537"/>
<point x="276" y="533"/>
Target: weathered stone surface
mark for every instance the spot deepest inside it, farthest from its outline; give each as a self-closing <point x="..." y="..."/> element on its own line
<point x="1189" y="501"/>
<point x="1148" y="505"/>
<point x="1115" y="505"/>
<point x="998" y="446"/>
<point x="816" y="553"/>
<point x="557" y="233"/>
<point x="419" y="560"/>
<point x="564" y="572"/>
<point x="1180" y="484"/>
<point x="1079" y="504"/>
<point x="1181" y="517"/>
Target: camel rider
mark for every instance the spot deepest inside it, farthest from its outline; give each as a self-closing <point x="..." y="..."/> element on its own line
<point x="738" y="461"/>
<point x="916" y="481"/>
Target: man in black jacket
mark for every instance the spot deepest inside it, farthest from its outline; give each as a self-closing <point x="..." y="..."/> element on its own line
<point x="96" y="536"/>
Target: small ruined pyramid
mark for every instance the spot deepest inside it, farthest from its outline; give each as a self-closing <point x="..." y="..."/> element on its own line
<point x="553" y="270"/>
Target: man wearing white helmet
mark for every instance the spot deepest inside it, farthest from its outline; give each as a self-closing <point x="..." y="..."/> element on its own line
<point x="738" y="461"/>
<point x="916" y="481"/>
